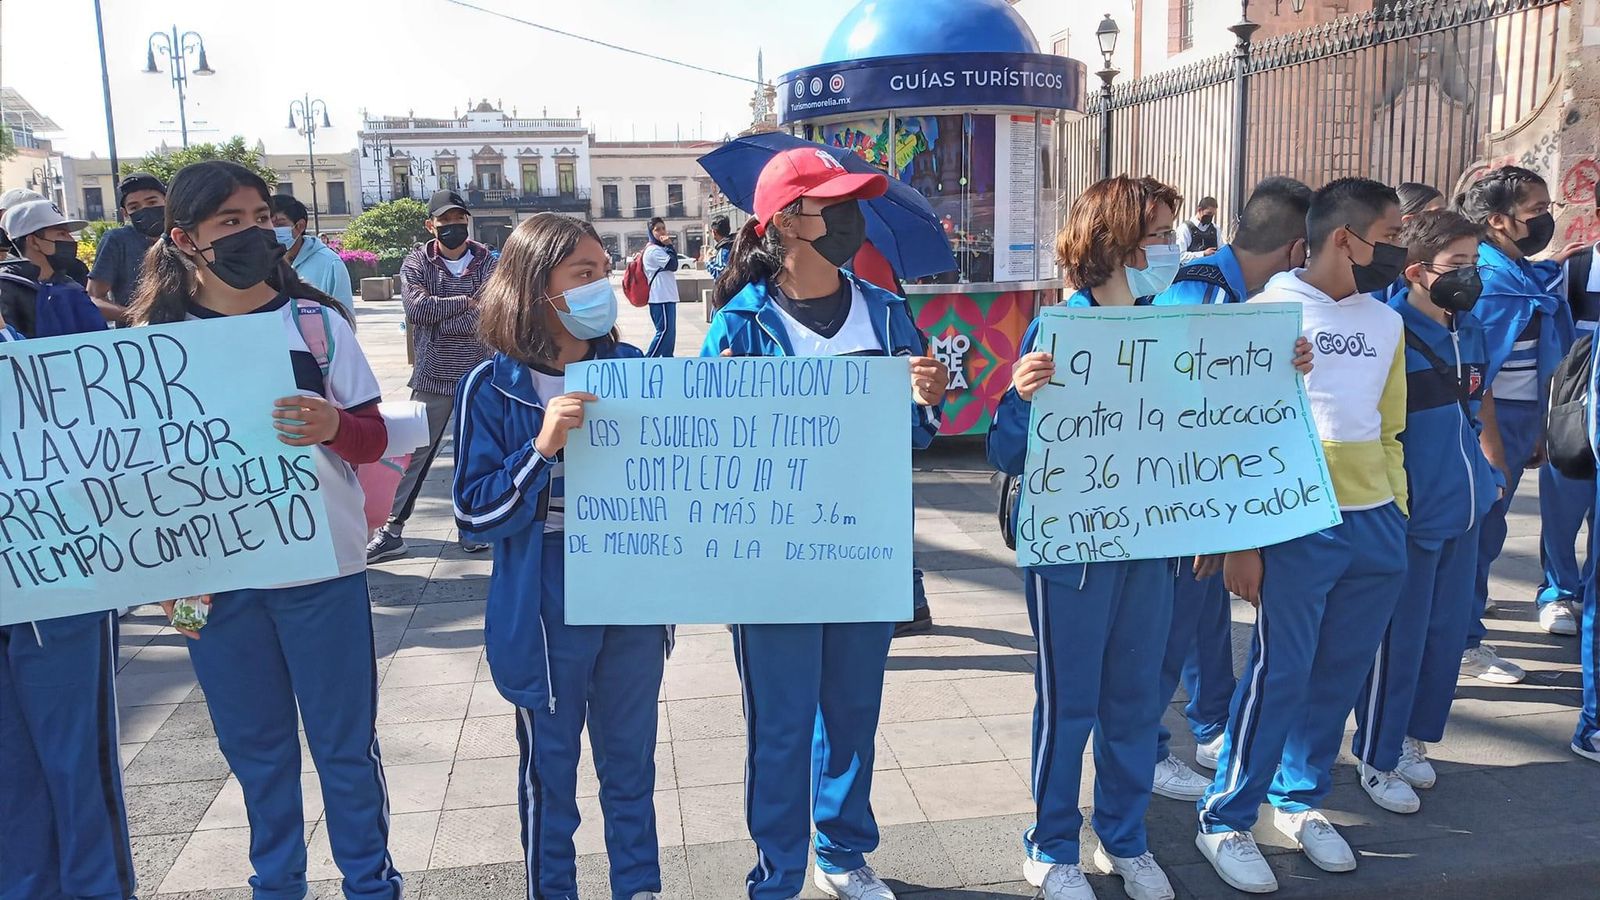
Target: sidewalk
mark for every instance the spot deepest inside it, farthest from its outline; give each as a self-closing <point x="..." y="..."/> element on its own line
<point x="1515" y="814"/>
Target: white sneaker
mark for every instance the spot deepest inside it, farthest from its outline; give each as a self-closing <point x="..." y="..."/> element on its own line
<point x="1414" y="766"/>
<point x="1593" y="755"/>
<point x="645" y="895"/>
<point x="1389" y="790"/>
<point x="1556" y="617"/>
<point x="1484" y="663"/>
<point x="1057" y="881"/>
<point x="1318" y="838"/>
<point x="1237" y="860"/>
<point x="1141" y="878"/>
<point x="1208" y="753"/>
<point x="1177" y="781"/>
<point x="860" y="884"/>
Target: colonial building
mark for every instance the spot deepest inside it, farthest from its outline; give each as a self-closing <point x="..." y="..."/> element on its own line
<point x="36" y="165"/>
<point x="635" y="181"/>
<point x="506" y="167"/>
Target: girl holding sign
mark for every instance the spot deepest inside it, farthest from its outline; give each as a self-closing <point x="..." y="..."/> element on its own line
<point x="1102" y="627"/>
<point x="549" y="304"/>
<point x="812" y="692"/>
<point x="266" y="651"/>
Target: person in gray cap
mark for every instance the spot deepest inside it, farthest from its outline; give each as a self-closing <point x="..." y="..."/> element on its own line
<point x="38" y="295"/>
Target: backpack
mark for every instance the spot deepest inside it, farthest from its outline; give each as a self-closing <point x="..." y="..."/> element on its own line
<point x="379" y="481"/>
<point x="1208" y="273"/>
<point x="1567" y="429"/>
<point x="635" y="286"/>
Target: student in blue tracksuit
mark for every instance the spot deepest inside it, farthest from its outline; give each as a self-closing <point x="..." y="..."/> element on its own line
<point x="812" y="692"/>
<point x="63" y="825"/>
<point x="1270" y="238"/>
<point x="1452" y="486"/>
<point x="550" y="304"/>
<point x="1529" y="328"/>
<point x="269" y="653"/>
<point x="1586" y="737"/>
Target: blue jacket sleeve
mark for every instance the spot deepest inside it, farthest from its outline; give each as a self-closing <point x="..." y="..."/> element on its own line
<point x="1007" y="444"/>
<point x="9" y="334"/>
<point x="498" y="478"/>
<point x="925" y="420"/>
<point x="717" y="337"/>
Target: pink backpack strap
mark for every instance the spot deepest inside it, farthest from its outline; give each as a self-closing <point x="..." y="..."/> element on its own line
<point x="311" y="320"/>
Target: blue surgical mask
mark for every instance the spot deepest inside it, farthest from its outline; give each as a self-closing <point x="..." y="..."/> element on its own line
<point x="1161" y="264"/>
<point x="285" y="235"/>
<point x="591" y="310"/>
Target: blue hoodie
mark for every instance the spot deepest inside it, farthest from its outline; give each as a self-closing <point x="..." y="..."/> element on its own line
<point x="1514" y="291"/>
<point x="1193" y="287"/>
<point x="750" y="325"/>
<point x="502" y="494"/>
<point x="1452" y="485"/>
<point x="320" y="267"/>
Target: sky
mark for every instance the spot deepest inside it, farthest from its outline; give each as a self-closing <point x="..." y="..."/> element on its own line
<point x="395" y="56"/>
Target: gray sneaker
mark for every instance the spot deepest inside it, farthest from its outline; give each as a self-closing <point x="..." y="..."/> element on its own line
<point x="473" y="547"/>
<point x="385" y="546"/>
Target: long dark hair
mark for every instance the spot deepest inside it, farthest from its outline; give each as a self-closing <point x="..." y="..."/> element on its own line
<point x="1414" y="196"/>
<point x="510" y="317"/>
<point x="754" y="257"/>
<point x="167" y="281"/>
<point x="1498" y="191"/>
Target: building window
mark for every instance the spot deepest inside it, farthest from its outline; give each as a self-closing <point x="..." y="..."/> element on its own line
<point x="1182" y="31"/>
<point x="567" y="177"/>
<point x="530" y="177"/>
<point x="487" y="176"/>
<point x="610" y="206"/>
<point x="447" y="177"/>
<point x="637" y="242"/>
<point x="94" y="205"/>
<point x="1060" y="43"/>
<point x="284" y="187"/>
<point x="642" y="204"/>
<point x="613" y="246"/>
<point x="337" y="204"/>
<point x="400" y="179"/>
<point x="675" y="201"/>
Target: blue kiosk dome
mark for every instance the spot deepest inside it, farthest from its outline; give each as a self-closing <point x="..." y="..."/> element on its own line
<point x="876" y="28"/>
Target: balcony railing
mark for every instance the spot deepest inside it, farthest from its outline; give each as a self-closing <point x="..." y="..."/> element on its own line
<point x="644" y="212"/>
<point x="540" y="201"/>
<point x="402" y="123"/>
<point x="610" y="212"/>
<point x="676" y="211"/>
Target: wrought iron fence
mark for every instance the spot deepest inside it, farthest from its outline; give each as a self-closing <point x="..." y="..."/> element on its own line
<point x="1407" y="91"/>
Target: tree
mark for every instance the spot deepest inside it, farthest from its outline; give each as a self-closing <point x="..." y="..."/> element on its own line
<point x="394" y="226"/>
<point x="164" y="165"/>
<point x="8" y="147"/>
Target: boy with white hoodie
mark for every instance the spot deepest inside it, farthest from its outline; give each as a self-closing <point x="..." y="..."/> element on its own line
<point x="1324" y="600"/>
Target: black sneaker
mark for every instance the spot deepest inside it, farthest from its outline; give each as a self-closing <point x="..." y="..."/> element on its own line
<point x="921" y="623"/>
<point x="385" y="546"/>
<point x="473" y="547"/>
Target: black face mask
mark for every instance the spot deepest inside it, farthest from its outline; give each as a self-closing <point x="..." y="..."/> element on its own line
<point x="150" y="221"/>
<point x="62" y="254"/>
<point x="1207" y="220"/>
<point x="1388" y="261"/>
<point x="452" y="236"/>
<point x="243" y="259"/>
<point x="1457" y="290"/>
<point x="1541" y="229"/>
<point x="846" y="232"/>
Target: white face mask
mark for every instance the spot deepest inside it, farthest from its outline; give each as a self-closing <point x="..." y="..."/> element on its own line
<point x="1161" y="264"/>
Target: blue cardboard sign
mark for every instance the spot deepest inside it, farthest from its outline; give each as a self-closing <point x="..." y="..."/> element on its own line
<point x="1169" y="432"/>
<point x="739" y="490"/>
<point x="963" y="80"/>
<point x="141" y="465"/>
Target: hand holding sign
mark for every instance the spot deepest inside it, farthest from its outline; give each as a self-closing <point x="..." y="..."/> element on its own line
<point x="930" y="379"/>
<point x="304" y="421"/>
<point x="1032" y="372"/>
<point x="561" y="415"/>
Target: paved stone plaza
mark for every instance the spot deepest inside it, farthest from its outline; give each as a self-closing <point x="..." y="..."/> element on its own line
<point x="1515" y="814"/>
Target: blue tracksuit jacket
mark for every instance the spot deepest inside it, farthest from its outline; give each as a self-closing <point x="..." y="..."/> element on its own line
<point x="1514" y="291"/>
<point x="1197" y="282"/>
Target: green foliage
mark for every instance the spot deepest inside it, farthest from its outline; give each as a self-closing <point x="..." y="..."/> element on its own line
<point x="165" y="165"/>
<point x="394" y="227"/>
<point x="89" y="239"/>
<point x="8" y="147"/>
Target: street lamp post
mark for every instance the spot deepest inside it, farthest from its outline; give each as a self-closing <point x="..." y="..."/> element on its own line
<point x="1106" y="35"/>
<point x="1243" y="30"/>
<point x="378" y="145"/>
<point x="307" y="108"/>
<point x="176" y="49"/>
<point x="47" y="181"/>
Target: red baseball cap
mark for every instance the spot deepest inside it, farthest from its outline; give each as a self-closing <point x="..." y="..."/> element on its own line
<point x="810" y="172"/>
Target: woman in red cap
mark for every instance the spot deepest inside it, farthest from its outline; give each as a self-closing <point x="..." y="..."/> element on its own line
<point x="813" y="691"/>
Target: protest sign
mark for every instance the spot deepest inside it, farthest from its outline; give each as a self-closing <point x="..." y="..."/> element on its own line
<point x="141" y="465"/>
<point x="744" y="490"/>
<point x="1170" y="431"/>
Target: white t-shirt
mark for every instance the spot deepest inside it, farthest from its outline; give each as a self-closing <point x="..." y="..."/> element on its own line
<point x="855" y="337"/>
<point x="549" y="387"/>
<point x="663" y="284"/>
<point x="350" y="385"/>
<point x="457" y="266"/>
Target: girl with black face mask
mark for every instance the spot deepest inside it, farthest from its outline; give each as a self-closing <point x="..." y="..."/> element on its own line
<point x="266" y="653"/>
<point x="1529" y="328"/>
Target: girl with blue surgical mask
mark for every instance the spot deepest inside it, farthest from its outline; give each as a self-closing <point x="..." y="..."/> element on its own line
<point x="549" y="304"/>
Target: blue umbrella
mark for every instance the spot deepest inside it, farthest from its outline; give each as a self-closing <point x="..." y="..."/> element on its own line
<point x="900" y="224"/>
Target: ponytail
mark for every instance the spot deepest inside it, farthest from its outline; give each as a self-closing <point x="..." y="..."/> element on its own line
<point x="754" y="258"/>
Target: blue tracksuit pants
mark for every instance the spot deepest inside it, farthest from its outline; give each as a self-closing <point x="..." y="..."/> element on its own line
<point x="665" y="317"/>
<point x="1325" y="602"/>
<point x="63" y="827"/>
<point x="1101" y="632"/>
<point x="1565" y="505"/>
<point x="1413" y="678"/>
<point x="1587" y="735"/>
<point x="262" y="654"/>
<point x="1521" y="425"/>
<point x="811" y="698"/>
<point x="610" y="677"/>
<point x="1200" y="654"/>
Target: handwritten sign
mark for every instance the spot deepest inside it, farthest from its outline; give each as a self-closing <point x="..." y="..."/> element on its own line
<point x="141" y="465"/>
<point x="1170" y="432"/>
<point x="745" y="490"/>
